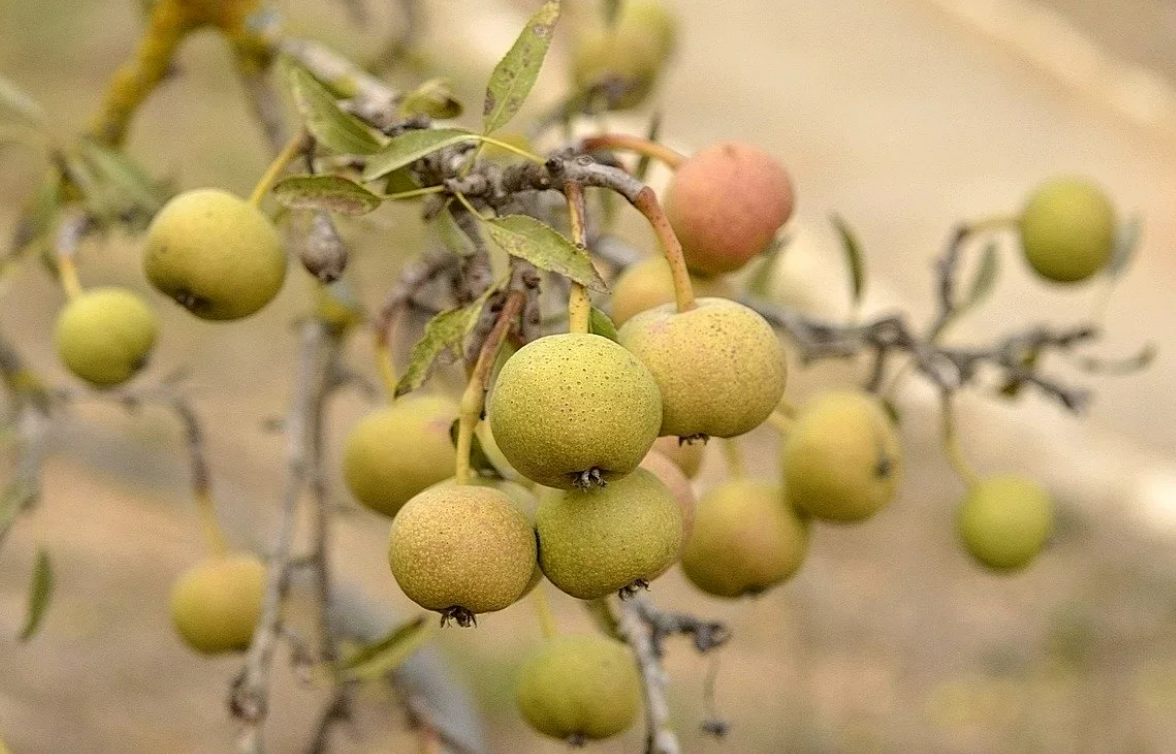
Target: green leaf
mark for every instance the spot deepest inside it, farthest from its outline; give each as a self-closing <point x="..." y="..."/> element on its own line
<point x="18" y="495"/>
<point x="515" y="74"/>
<point x="853" y="256"/>
<point x="601" y="324"/>
<point x="445" y="332"/>
<point x="543" y="246"/>
<point x="122" y="178"/>
<point x="433" y="98"/>
<point x="18" y="106"/>
<point x="332" y="193"/>
<point x="377" y="660"/>
<point x="984" y="281"/>
<point x="410" y="147"/>
<point x="1126" y="244"/>
<point x="39" y="215"/>
<point x="40" y="590"/>
<point x="451" y="234"/>
<point x="327" y="122"/>
<point x="759" y="283"/>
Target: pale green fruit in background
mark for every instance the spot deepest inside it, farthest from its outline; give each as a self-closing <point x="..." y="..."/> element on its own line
<point x="687" y="455"/>
<point x="216" y="605"/>
<point x="218" y="256"/>
<point x="105" y="335"/>
<point x="1005" y="521"/>
<point x="747" y="538"/>
<point x="719" y="366"/>
<point x="678" y="484"/>
<point x="1068" y="229"/>
<point x="574" y="409"/>
<point x="648" y="284"/>
<point x="842" y="459"/>
<point x="595" y="542"/>
<point x="462" y="550"/>
<point x="396" y="451"/>
<point x="626" y="65"/>
<point x="652" y="20"/>
<point x="726" y="203"/>
<point x="579" y="687"/>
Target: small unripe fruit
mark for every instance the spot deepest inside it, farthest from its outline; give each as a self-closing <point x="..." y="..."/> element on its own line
<point x="688" y="456"/>
<point x="216" y="605"/>
<point x="648" y="284"/>
<point x="574" y="410"/>
<point x="677" y="483"/>
<point x="842" y="459"/>
<point x="1004" y="521"/>
<point x="462" y="550"/>
<point x="1068" y="230"/>
<point x="579" y="687"/>
<point x="725" y="204"/>
<point x="622" y="65"/>
<point x="747" y="538"/>
<point x="719" y="366"/>
<point x="396" y="451"/>
<point x="105" y="335"/>
<point x="651" y="20"/>
<point x="596" y="542"/>
<point x="218" y="256"/>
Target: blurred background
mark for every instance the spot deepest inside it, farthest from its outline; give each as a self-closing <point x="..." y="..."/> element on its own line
<point x="904" y="116"/>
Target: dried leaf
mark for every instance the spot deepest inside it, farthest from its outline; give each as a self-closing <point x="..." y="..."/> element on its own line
<point x="40" y="590"/>
<point x="515" y="74"/>
<point x="1134" y="363"/>
<point x="327" y="122"/>
<point x="332" y="193"/>
<point x="853" y="256"/>
<point x="601" y="324"/>
<point x="1126" y="244"/>
<point x="445" y="332"/>
<point x="543" y="246"/>
<point x="377" y="660"/>
<point x="410" y="147"/>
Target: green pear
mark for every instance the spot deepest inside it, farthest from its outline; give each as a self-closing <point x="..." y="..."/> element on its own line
<point x="105" y="335"/>
<point x="1068" y="230"/>
<point x="1004" y="521"/>
<point x="648" y="284"/>
<point x="216" y="605"/>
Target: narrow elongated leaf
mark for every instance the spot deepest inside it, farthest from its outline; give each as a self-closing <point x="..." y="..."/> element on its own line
<point x="122" y="178"/>
<point x="853" y="257"/>
<point x="410" y="147"/>
<point x="16" y="105"/>
<point x="333" y="193"/>
<point x="377" y="660"/>
<point x="984" y="280"/>
<point x="18" y="495"/>
<point x="1126" y="244"/>
<point x="653" y="133"/>
<point x="759" y="283"/>
<point x="39" y="215"/>
<point x="326" y="121"/>
<point x="515" y="74"/>
<point x="40" y="590"/>
<point x="445" y="332"/>
<point x="452" y="235"/>
<point x="543" y="246"/>
<point x="601" y="324"/>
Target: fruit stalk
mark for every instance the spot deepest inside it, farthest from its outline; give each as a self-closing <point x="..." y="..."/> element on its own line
<point x="647" y="204"/>
<point x="473" y="400"/>
<point x="951" y="444"/>
<point x="214" y="537"/>
<point x="645" y="147"/>
<point x="543" y="610"/>
<point x="579" y="306"/>
<point x="295" y="146"/>
<point x="733" y="454"/>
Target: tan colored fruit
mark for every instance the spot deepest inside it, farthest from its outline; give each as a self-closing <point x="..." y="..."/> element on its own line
<point x="574" y="410"/>
<point x="672" y="477"/>
<point x="726" y="203"/>
<point x="462" y="551"/>
<point x="579" y="687"/>
<point x="1068" y="229"/>
<point x="216" y="605"/>
<point x="396" y="451"/>
<point x="747" y="538"/>
<point x="719" y="366"/>
<point x="687" y="455"/>
<point x="648" y="284"/>
<point x="218" y="256"/>
<point x="595" y="542"/>
<point x="105" y="335"/>
<point x="842" y="459"/>
<point x="1004" y="521"/>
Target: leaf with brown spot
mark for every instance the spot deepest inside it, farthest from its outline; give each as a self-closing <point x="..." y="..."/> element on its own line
<point x="515" y="74"/>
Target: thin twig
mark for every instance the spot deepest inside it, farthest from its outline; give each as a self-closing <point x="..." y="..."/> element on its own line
<point x="660" y="736"/>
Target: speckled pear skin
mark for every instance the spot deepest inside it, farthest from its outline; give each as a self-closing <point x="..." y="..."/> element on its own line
<point x="578" y="687"/>
<point x="215" y="606"/>
<point x="687" y="455"/>
<point x="462" y="550"/>
<point x="567" y="404"/>
<point x="719" y="366"/>
<point x="746" y="539"/>
<point x="595" y="542"/>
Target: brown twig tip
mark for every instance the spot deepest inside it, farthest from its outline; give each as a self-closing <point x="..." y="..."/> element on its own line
<point x="691" y="439"/>
<point x="632" y="590"/>
<point x="588" y="479"/>
<point x="461" y="616"/>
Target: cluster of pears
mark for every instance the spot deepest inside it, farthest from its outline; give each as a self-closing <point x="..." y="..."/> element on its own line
<point x="1068" y="228"/>
<point x="622" y="60"/>
<point x="213" y="253"/>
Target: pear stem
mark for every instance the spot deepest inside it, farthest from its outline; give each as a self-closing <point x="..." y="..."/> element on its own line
<point x="642" y="146"/>
<point x="295" y="146"/>
<point x="951" y="444"/>
<point x="67" y="272"/>
<point x="579" y="305"/>
<point x="473" y="400"/>
<point x="511" y="148"/>
<point x="382" y="345"/>
<point x="781" y="422"/>
<point x="647" y="204"/>
<point x="734" y="457"/>
<point x="214" y="536"/>
<point x="547" y="623"/>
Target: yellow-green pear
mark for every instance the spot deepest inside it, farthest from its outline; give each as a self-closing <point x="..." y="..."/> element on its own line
<point x="105" y="335"/>
<point x="396" y="451"/>
<point x="688" y="455"/>
<point x="216" y="605"/>
<point x="746" y="538"/>
<point x="1068" y="229"/>
<point x="579" y="687"/>
<point x="574" y="410"/>
<point x="216" y="255"/>
<point x="719" y="366"/>
<point x="462" y="550"/>
<point x="648" y="284"/>
<point x="842" y="459"/>
<point x="1004" y="521"/>
<point x="678" y="483"/>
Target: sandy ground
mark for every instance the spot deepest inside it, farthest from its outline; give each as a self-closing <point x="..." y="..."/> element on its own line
<point x="904" y="117"/>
